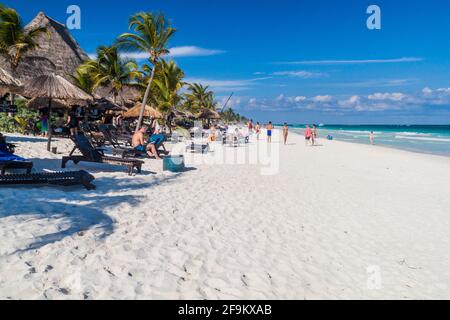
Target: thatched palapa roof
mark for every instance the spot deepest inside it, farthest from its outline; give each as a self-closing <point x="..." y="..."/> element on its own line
<point x="58" y="53"/>
<point x="149" y="112"/>
<point x="127" y="97"/>
<point x="8" y="82"/>
<point x="208" y="114"/>
<point x="54" y="87"/>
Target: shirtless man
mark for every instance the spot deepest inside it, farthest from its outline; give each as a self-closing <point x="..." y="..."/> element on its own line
<point x="138" y="143"/>
<point x="269" y="128"/>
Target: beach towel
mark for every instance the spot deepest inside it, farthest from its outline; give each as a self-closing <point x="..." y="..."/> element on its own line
<point x="6" y="156"/>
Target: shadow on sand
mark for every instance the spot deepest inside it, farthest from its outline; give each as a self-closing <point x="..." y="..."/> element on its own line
<point x="73" y="209"/>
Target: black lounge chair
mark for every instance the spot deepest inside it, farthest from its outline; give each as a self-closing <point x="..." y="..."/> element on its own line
<point x="90" y="154"/>
<point x="44" y="178"/>
<point x="9" y="161"/>
<point x="95" y="137"/>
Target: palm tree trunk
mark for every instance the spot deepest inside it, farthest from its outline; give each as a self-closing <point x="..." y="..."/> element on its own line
<point x="144" y="102"/>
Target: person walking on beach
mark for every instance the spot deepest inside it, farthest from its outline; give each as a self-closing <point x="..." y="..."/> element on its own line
<point x="250" y="127"/>
<point x="314" y="135"/>
<point x="285" y="133"/>
<point x="258" y="130"/>
<point x="307" y="135"/>
<point x="372" y="138"/>
<point x="269" y="128"/>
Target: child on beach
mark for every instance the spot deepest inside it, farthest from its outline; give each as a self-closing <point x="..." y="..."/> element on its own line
<point x="285" y="132"/>
<point x="269" y="132"/>
<point x="372" y="138"/>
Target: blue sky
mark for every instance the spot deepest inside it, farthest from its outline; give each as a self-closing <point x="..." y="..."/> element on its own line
<point x="293" y="60"/>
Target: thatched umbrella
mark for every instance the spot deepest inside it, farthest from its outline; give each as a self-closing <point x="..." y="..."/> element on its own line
<point x="39" y="103"/>
<point x="54" y="87"/>
<point x="106" y="104"/>
<point x="208" y="114"/>
<point x="8" y="82"/>
<point x="149" y="112"/>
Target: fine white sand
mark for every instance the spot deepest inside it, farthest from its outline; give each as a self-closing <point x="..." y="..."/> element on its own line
<point x="339" y="221"/>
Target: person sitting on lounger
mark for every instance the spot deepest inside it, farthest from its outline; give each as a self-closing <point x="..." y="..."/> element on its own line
<point x="138" y="143"/>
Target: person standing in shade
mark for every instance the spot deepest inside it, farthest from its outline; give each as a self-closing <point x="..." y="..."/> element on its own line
<point x="44" y="124"/>
<point x="372" y="138"/>
<point x="72" y="123"/>
<point x="285" y="133"/>
<point x="269" y="132"/>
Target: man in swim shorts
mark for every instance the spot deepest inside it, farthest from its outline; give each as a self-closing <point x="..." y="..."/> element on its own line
<point x="269" y="132"/>
<point x="139" y="144"/>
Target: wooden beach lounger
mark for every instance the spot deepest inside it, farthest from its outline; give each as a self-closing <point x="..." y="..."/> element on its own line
<point x="10" y="165"/>
<point x="90" y="154"/>
<point x="56" y="179"/>
<point x="10" y="161"/>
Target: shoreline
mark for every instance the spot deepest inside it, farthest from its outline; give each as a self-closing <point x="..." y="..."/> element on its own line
<point x="378" y="145"/>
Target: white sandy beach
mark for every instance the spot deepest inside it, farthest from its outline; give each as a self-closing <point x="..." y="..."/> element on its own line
<point x="340" y="221"/>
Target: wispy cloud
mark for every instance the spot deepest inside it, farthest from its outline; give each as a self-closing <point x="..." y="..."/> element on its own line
<point x="301" y="74"/>
<point x="193" y="51"/>
<point x="175" y="52"/>
<point x="227" y="85"/>
<point x="376" y="83"/>
<point x="337" y="62"/>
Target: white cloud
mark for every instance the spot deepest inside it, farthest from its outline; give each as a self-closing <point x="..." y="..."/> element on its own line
<point x="193" y="51"/>
<point x="396" y="96"/>
<point x="227" y="85"/>
<point x="175" y="52"/>
<point x="344" y="104"/>
<point x="366" y="61"/>
<point x="322" y="99"/>
<point x="300" y="74"/>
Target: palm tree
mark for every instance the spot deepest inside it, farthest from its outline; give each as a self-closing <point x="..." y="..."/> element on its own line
<point x="167" y="84"/>
<point x="151" y="34"/>
<point x="109" y="69"/>
<point x="200" y="97"/>
<point x="15" y="40"/>
<point x="84" y="79"/>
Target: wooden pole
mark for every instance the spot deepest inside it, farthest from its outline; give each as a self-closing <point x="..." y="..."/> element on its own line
<point x="49" y="125"/>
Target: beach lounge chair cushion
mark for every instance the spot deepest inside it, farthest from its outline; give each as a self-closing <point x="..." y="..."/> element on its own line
<point x="55" y="178"/>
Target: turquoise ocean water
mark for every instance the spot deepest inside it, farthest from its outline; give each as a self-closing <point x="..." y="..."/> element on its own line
<point x="418" y="138"/>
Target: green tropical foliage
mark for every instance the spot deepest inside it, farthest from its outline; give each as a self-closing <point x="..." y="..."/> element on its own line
<point x="108" y="69"/>
<point x="15" y="41"/>
<point x="199" y="97"/>
<point x="19" y="122"/>
<point x="167" y="85"/>
<point x="230" y="116"/>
